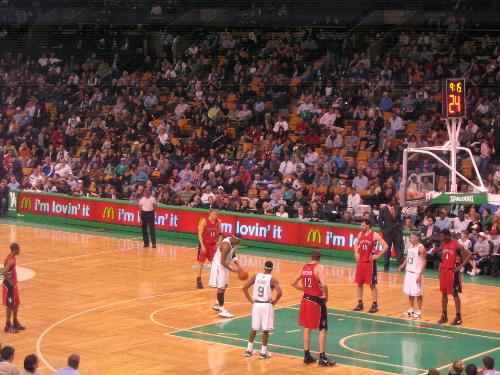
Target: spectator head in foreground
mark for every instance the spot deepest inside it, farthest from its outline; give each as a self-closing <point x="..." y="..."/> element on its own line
<point x="488" y="363"/>
<point x="471" y="369"/>
<point x="31" y="363"/>
<point x="74" y="361"/>
<point x="433" y="371"/>
<point x="458" y="366"/>
<point x="7" y="353"/>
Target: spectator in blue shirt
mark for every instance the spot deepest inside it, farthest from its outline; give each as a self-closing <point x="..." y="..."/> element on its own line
<point x="13" y="184"/>
<point x="339" y="160"/>
<point x="48" y="168"/>
<point x="385" y="102"/>
<point x="443" y="222"/>
<point x="249" y="162"/>
<point x="73" y="364"/>
<point x="138" y="178"/>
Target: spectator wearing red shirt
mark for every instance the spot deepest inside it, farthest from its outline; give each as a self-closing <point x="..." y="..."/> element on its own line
<point x="245" y="177"/>
<point x="312" y="139"/>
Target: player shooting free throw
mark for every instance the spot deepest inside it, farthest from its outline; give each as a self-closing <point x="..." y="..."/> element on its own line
<point x="219" y="272"/>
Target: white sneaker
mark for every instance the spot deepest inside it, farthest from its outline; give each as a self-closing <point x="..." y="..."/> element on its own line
<point x="478" y="271"/>
<point x="471" y="273"/>
<point x="249" y="353"/>
<point x="417" y="315"/>
<point x="264" y="355"/>
<point x="217" y="308"/>
<point x="408" y="313"/>
<point x="225" y="314"/>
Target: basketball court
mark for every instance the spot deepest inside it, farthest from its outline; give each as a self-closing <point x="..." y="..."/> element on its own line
<point x="370" y="341"/>
<point x="130" y="310"/>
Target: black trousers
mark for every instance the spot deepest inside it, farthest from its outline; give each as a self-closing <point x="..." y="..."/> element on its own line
<point x="395" y="238"/>
<point x="4" y="203"/>
<point x="148" y="219"/>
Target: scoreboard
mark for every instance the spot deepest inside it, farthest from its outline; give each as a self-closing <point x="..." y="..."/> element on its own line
<point x="454" y="97"/>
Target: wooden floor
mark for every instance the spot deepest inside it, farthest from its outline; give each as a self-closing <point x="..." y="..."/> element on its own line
<point x="103" y="299"/>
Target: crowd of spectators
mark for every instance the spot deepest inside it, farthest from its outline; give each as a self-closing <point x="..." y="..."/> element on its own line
<point x="31" y="364"/>
<point x="458" y="368"/>
<point x="293" y="123"/>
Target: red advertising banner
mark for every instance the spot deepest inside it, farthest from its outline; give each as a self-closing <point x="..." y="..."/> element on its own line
<point x="250" y="227"/>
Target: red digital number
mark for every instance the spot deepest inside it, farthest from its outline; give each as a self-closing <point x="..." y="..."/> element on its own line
<point x="454" y="101"/>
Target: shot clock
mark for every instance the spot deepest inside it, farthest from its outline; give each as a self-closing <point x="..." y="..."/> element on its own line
<point x="454" y="98"/>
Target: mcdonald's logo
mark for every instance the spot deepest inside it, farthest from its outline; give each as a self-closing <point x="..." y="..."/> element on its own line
<point x="108" y="213"/>
<point x="26" y="203"/>
<point x="314" y="236"/>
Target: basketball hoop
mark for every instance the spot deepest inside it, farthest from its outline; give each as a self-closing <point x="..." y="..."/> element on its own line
<point x="455" y="111"/>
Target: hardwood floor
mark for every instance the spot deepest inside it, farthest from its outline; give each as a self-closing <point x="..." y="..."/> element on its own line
<point x="115" y="303"/>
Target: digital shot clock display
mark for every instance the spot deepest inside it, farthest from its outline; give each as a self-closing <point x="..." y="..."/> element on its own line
<point x="454" y="97"/>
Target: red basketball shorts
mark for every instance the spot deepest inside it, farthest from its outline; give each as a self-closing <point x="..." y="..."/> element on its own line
<point x="366" y="273"/>
<point x="450" y="282"/>
<point x="10" y="295"/>
<point x="208" y="254"/>
<point x="313" y="313"/>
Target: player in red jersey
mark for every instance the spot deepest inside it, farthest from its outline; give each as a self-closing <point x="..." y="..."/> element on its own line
<point x="313" y="313"/>
<point x="10" y="290"/>
<point x="209" y="235"/>
<point x="366" y="267"/>
<point x="453" y="258"/>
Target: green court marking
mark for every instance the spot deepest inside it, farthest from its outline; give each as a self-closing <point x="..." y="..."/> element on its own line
<point x="373" y="342"/>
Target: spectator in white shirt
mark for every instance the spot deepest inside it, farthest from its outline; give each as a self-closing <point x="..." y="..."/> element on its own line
<point x="298" y="166"/>
<point x="305" y="107"/>
<point x="353" y="200"/>
<point x="481" y="250"/>
<point x="276" y="201"/>
<point x="6" y="365"/>
<point x="286" y="166"/>
<point x="36" y="177"/>
<point x="483" y="107"/>
<point x="443" y="222"/>
<point x="181" y="109"/>
<point x="396" y="122"/>
<point x="496" y="176"/>
<point x="464" y="240"/>
<point x="334" y="140"/>
<point x="460" y="223"/>
<point x="311" y="157"/>
<point x="280" y="123"/>
<point x="328" y="118"/>
<point x="62" y="169"/>
<point x="43" y="61"/>
<point x="489" y="366"/>
<point x="360" y="182"/>
<point x="163" y="136"/>
<point x="281" y="212"/>
<point x="53" y="59"/>
<point x="208" y="192"/>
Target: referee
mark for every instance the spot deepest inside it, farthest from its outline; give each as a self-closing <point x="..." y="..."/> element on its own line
<point x="148" y="205"/>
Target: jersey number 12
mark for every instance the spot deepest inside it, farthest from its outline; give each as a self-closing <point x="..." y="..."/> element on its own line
<point x="307" y="282"/>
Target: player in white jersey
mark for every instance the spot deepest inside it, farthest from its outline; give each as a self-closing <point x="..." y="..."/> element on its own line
<point x="263" y="307"/>
<point x="413" y="285"/>
<point x="219" y="272"/>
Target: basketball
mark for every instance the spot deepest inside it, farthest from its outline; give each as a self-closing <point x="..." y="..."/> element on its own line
<point x="242" y="274"/>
